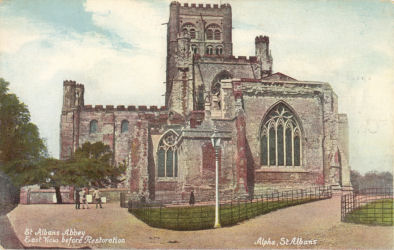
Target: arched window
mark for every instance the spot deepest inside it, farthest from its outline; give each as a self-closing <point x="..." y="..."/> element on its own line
<point x="213" y="32"/>
<point x="167" y="157"/>
<point x="217" y="34"/>
<point x="194" y="49"/>
<point x="190" y="29"/>
<point x="93" y="126"/>
<point x="209" y="34"/>
<point x="209" y="50"/>
<point x="215" y="89"/>
<point x="192" y="33"/>
<point x="219" y="50"/>
<point x="280" y="138"/>
<point x="124" y="127"/>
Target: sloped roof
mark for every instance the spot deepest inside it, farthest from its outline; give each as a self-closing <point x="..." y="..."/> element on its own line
<point x="279" y="76"/>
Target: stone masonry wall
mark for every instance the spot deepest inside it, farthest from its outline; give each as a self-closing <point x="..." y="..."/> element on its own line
<point x="305" y="101"/>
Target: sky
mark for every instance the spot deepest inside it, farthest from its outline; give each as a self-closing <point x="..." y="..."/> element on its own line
<point x="117" y="49"/>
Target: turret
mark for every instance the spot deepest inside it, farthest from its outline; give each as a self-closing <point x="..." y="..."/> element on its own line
<point x="73" y="95"/>
<point x="263" y="54"/>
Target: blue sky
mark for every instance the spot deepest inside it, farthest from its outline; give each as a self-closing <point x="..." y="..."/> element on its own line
<point x="117" y="49"/>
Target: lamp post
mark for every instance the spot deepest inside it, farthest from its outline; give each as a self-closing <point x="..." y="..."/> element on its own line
<point x="215" y="140"/>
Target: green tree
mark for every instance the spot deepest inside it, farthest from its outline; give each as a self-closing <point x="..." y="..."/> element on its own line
<point x="21" y="147"/>
<point x="91" y="165"/>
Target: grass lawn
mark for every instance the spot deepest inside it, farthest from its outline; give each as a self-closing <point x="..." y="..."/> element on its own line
<point x="202" y="217"/>
<point x="379" y="212"/>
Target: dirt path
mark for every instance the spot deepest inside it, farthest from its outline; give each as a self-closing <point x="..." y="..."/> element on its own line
<point x="318" y="221"/>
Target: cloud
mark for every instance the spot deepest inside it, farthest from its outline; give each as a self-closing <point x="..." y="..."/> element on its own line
<point x="15" y="32"/>
<point x="37" y="57"/>
<point x="122" y="62"/>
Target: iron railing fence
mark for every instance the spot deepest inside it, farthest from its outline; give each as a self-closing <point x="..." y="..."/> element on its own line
<point x="207" y="198"/>
<point x="368" y="206"/>
<point x="202" y="215"/>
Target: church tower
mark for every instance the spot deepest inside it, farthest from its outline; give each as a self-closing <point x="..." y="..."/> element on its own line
<point x="263" y="55"/>
<point x="205" y="30"/>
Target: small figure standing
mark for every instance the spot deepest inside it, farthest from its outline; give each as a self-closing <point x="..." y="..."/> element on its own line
<point x="191" y="200"/>
<point x="84" y="201"/>
<point x="97" y="197"/>
<point x="77" y="199"/>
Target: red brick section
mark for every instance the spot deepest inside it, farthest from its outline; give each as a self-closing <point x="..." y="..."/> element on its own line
<point x="241" y="159"/>
<point x="135" y="148"/>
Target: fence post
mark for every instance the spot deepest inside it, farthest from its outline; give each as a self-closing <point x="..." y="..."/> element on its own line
<point x="160" y="215"/>
<point x="201" y="217"/>
<point x="246" y="210"/>
<point x="177" y="218"/>
<point x="239" y="211"/>
<point x="231" y="207"/>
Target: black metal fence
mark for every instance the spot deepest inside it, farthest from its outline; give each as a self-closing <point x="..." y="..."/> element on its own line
<point x="368" y="206"/>
<point x="202" y="215"/>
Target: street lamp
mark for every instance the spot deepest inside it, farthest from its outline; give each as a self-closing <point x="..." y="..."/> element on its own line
<point x="215" y="140"/>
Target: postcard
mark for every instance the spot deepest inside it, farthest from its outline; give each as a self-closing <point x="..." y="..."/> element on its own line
<point x="208" y="124"/>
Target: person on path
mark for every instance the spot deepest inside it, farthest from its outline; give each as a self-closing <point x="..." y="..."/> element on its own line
<point x="97" y="197"/>
<point x="84" y="201"/>
<point x="77" y="199"/>
<point x="191" y="200"/>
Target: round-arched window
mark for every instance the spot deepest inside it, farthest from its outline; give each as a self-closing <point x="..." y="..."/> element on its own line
<point x="93" y="127"/>
<point x="124" y="127"/>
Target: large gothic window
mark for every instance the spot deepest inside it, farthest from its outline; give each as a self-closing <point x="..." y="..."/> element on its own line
<point x="93" y="127"/>
<point x="167" y="157"/>
<point x="280" y="138"/>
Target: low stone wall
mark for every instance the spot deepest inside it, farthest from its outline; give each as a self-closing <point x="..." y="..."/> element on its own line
<point x="112" y="194"/>
<point x="45" y="196"/>
<point x="48" y="196"/>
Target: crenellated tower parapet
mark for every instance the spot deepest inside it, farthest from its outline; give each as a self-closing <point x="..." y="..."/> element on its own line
<point x="263" y="53"/>
<point x="73" y="95"/>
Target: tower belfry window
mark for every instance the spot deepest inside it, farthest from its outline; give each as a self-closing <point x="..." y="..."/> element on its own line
<point x="192" y="33"/>
<point x="209" y="50"/>
<point x="209" y="34"/>
<point x="217" y="34"/>
<point x="280" y="138"/>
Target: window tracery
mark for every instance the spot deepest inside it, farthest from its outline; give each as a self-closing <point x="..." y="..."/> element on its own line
<point x="167" y="156"/>
<point x="280" y="138"/>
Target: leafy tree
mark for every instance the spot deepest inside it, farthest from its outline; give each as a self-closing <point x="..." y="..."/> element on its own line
<point x="21" y="147"/>
<point x="371" y="179"/>
<point x="91" y="165"/>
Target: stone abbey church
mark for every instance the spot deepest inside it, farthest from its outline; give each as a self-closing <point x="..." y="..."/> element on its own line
<point x="276" y="132"/>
